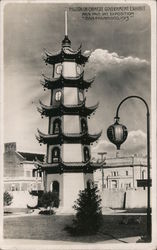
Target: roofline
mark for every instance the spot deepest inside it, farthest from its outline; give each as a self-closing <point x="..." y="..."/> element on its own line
<point x="126" y="165"/>
<point x="18" y="153"/>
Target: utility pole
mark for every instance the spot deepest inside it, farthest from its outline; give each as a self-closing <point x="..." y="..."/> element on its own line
<point x="102" y="163"/>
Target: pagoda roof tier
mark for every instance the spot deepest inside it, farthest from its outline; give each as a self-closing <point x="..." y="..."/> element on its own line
<point x="61" y="162"/>
<point x="53" y="83"/>
<point x="62" y="109"/>
<point x="83" y="138"/>
<point x="66" y="53"/>
<point x="67" y="166"/>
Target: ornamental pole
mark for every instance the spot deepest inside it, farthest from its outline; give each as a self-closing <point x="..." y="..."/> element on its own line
<point x="148" y="159"/>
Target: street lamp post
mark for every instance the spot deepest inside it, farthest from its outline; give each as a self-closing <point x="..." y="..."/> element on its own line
<point x="102" y="170"/>
<point x="117" y="134"/>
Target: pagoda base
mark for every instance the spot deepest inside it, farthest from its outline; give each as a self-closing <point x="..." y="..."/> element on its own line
<point x="69" y="185"/>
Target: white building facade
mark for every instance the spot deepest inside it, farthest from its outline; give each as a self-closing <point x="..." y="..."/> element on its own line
<point x="121" y="173"/>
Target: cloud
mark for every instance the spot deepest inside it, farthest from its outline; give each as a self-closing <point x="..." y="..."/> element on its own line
<point x="135" y="144"/>
<point x="103" y="61"/>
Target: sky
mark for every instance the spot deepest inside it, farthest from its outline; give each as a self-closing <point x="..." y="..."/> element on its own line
<point x="119" y="60"/>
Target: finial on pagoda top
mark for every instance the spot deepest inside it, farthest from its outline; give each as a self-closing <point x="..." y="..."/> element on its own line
<point x="66" y="42"/>
<point x="66" y="23"/>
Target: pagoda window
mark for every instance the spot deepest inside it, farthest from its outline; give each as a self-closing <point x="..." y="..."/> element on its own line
<point x="58" y="96"/>
<point x="78" y="69"/>
<point x="55" y="154"/>
<point x="86" y="154"/>
<point x="69" y="69"/>
<point x="56" y="126"/>
<point x="83" y="126"/>
<point x="80" y="96"/>
<point x="58" y="70"/>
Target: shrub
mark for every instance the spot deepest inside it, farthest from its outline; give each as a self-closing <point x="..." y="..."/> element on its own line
<point x="49" y="199"/>
<point x="88" y="216"/>
<point x="47" y="212"/>
<point x="7" y="198"/>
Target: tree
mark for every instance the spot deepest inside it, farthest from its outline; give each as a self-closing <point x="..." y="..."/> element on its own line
<point x="88" y="216"/>
<point x="50" y="199"/>
<point x="7" y="198"/>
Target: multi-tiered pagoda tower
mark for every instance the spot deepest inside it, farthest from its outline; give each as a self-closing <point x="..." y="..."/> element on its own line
<point x="67" y="167"/>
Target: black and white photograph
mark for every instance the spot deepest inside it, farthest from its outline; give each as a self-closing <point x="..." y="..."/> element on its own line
<point x="78" y="124"/>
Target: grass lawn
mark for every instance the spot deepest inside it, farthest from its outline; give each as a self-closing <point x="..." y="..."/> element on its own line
<point x="46" y="227"/>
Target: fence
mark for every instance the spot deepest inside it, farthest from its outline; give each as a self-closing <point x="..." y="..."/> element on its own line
<point x="124" y="199"/>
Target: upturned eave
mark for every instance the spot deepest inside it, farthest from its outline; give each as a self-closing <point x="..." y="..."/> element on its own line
<point x="84" y="138"/>
<point x="52" y="83"/>
<point x="66" y="53"/>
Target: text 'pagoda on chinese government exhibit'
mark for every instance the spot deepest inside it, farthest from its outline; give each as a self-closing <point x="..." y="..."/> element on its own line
<point x="67" y="168"/>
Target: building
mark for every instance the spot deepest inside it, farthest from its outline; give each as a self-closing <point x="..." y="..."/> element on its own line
<point x="67" y="168"/>
<point x="120" y="176"/>
<point x="20" y="171"/>
<point x="121" y="172"/>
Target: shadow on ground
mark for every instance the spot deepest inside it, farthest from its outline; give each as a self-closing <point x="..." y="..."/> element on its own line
<point x="46" y="227"/>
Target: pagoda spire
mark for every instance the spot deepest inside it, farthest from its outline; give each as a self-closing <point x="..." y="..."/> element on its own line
<point x="66" y="23"/>
<point x="66" y="42"/>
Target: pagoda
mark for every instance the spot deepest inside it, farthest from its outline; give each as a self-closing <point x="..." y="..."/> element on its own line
<point x="67" y="168"/>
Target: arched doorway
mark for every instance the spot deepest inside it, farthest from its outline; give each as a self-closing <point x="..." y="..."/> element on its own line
<point x="89" y="184"/>
<point x="55" y="188"/>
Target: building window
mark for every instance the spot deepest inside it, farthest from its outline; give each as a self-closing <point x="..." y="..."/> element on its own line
<point x="114" y="173"/>
<point x="58" y="95"/>
<point x="56" y="126"/>
<point x="127" y="173"/>
<point x="114" y="184"/>
<point x="143" y="174"/>
<point x="12" y="187"/>
<point x="55" y="155"/>
<point x="34" y="173"/>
